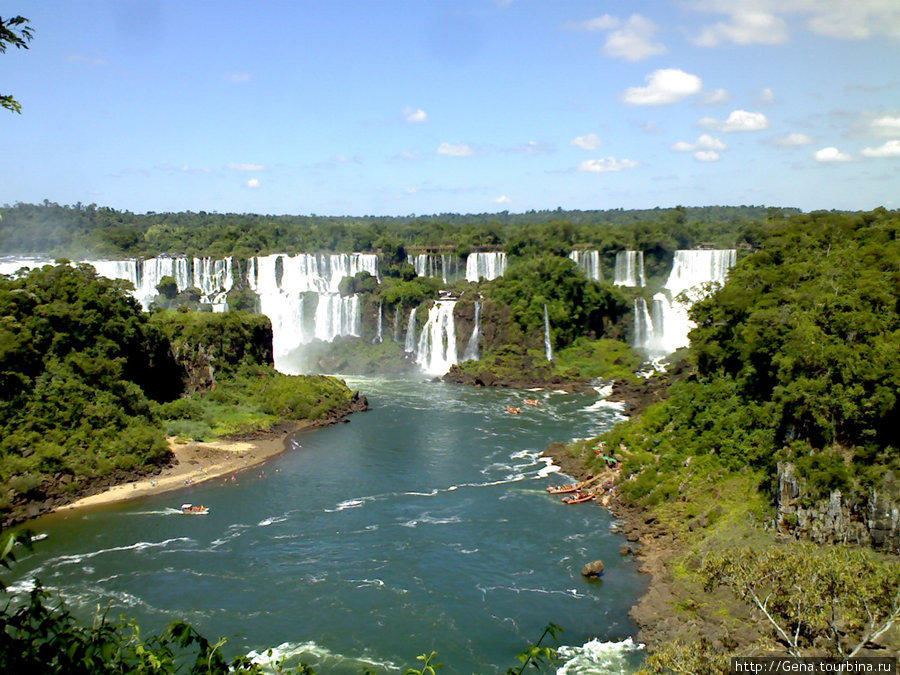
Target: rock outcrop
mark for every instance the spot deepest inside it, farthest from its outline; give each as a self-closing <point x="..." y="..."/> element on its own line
<point x="873" y="520"/>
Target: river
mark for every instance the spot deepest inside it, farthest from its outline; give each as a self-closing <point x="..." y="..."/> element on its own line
<point x="420" y="525"/>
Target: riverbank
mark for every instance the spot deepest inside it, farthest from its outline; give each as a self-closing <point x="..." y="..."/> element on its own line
<point x="674" y="606"/>
<point x="197" y="462"/>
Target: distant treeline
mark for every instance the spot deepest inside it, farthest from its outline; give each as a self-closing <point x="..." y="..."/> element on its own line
<point x="97" y="231"/>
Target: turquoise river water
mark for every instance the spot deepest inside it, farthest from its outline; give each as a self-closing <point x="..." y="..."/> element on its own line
<point x="420" y="525"/>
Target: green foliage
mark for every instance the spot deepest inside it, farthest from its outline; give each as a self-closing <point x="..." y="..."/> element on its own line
<point x="575" y="305"/>
<point x="76" y="357"/>
<point x="830" y="598"/>
<point x="83" y="230"/>
<point x="14" y="32"/>
<point x="223" y="341"/>
<point x="692" y="658"/>
<point x="604" y="358"/>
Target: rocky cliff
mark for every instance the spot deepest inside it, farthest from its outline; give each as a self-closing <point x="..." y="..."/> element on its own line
<point x="872" y="520"/>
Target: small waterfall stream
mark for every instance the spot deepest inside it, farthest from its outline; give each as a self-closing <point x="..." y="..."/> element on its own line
<point x="472" y="351"/>
<point x="548" y="348"/>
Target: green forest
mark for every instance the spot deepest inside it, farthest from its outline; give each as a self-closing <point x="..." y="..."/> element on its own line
<point x="90" y="385"/>
<point x="85" y="231"/>
<point x="795" y="362"/>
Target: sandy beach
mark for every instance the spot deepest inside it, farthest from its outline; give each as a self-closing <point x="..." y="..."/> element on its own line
<point x="195" y="462"/>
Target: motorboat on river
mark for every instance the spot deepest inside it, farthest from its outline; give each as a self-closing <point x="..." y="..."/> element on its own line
<point x="194" y="510"/>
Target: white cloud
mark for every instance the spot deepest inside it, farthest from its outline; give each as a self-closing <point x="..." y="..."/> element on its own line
<point x="716" y="97"/>
<point x="634" y="41"/>
<point x="606" y="165"/>
<point x="746" y="27"/>
<point x="253" y="183"/>
<point x="605" y="22"/>
<point x="793" y="140"/>
<point x="706" y="148"/>
<point x="887" y="125"/>
<point x="200" y="170"/>
<point x="415" y="115"/>
<point x="767" y="96"/>
<point x="455" y="150"/>
<point x="855" y="20"/>
<point x="831" y="154"/>
<point x="889" y="149"/>
<point x="532" y="148"/>
<point x="78" y="58"/>
<point x="763" y="21"/>
<point x="738" y="120"/>
<point x="411" y="190"/>
<point x="408" y="156"/>
<point x="239" y="78"/>
<point x="588" y="142"/>
<point x="502" y="199"/>
<point x="247" y="167"/>
<point x="707" y="156"/>
<point x="664" y="86"/>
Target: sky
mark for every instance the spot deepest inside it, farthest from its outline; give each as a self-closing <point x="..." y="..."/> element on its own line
<point x="400" y="107"/>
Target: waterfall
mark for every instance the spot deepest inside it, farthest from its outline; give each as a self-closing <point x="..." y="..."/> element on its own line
<point x="410" y="344"/>
<point x="589" y="262"/>
<point x="643" y="324"/>
<point x="548" y="348"/>
<point x="472" y="351"/>
<point x="395" y="336"/>
<point x="214" y="278"/>
<point x="379" y="337"/>
<point x="436" y="350"/>
<point x="488" y="265"/>
<point x="282" y="297"/>
<point x="445" y="266"/>
<point x="669" y="319"/>
<point x="630" y="269"/>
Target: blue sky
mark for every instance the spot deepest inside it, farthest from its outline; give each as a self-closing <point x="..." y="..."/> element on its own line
<point x="340" y="107"/>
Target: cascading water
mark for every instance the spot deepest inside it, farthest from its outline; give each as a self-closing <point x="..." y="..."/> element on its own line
<point x="282" y="297"/>
<point x="643" y="324"/>
<point x="395" y="335"/>
<point x="687" y="283"/>
<point x="410" y="345"/>
<point x="548" y="348"/>
<point x="489" y="265"/>
<point x="630" y="269"/>
<point x="379" y="326"/>
<point x="446" y="266"/>
<point x="589" y="262"/>
<point x="472" y="351"/>
<point x="214" y="278"/>
<point x="436" y="350"/>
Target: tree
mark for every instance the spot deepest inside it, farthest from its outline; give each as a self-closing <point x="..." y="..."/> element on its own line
<point x="16" y="32"/>
<point x="833" y="599"/>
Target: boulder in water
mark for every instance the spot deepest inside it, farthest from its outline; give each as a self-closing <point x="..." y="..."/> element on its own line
<point x="593" y="569"/>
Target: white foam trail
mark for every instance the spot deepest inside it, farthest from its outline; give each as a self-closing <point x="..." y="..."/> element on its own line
<point x="272" y="520"/>
<point x="596" y="657"/>
<point x="354" y="503"/>
<point x="429" y="520"/>
<point x="139" y="546"/>
<point x="271" y="658"/>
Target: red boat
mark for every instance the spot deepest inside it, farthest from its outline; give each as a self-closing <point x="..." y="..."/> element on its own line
<point x="578" y="497"/>
<point x="562" y="489"/>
